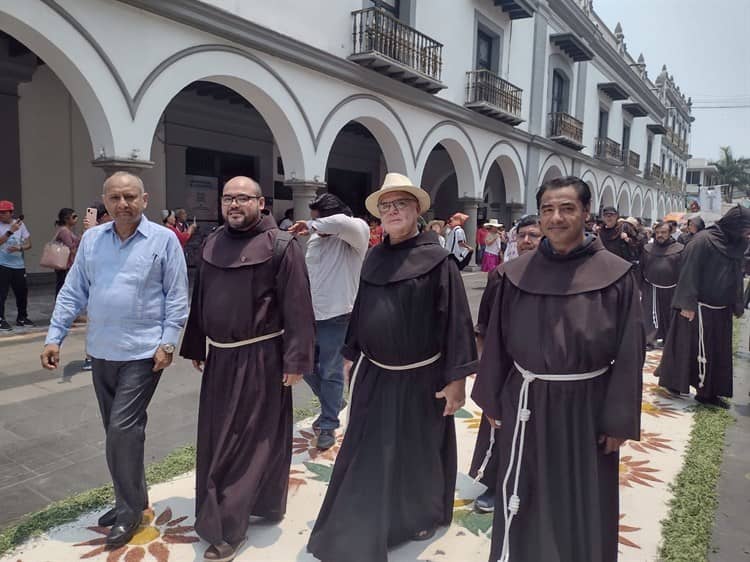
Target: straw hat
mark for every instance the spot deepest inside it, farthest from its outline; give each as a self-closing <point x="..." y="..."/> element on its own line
<point x="495" y="223"/>
<point x="397" y="182"/>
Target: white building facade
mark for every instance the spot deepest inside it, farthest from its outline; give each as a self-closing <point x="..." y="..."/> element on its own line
<point x="479" y="101"/>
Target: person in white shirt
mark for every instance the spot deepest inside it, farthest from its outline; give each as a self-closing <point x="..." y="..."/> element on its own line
<point x="335" y="252"/>
<point x="14" y="241"/>
<point x="288" y="220"/>
<point x="455" y="240"/>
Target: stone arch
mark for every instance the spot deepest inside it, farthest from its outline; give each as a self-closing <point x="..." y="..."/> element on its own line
<point x="552" y="167"/>
<point x="511" y="165"/>
<point x="462" y="153"/>
<point x="637" y="203"/>
<point x="649" y="208"/>
<point x="624" y="199"/>
<point x="267" y="92"/>
<point x="78" y="62"/>
<point x="607" y="193"/>
<point x="660" y="208"/>
<point x="381" y="120"/>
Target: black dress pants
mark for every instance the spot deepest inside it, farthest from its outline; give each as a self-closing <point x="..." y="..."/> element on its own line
<point x="124" y="390"/>
<point x="15" y="279"/>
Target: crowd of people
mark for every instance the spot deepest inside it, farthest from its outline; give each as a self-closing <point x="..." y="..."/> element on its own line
<point x="319" y="302"/>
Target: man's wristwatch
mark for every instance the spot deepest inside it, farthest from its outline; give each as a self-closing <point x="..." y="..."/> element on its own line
<point x="168" y="348"/>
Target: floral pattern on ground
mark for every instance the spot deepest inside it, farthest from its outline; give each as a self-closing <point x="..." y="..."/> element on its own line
<point x="626" y="529"/>
<point x="307" y="443"/>
<point x="472" y="419"/>
<point x="633" y="471"/>
<point x="659" y="409"/>
<point x="659" y="391"/>
<point x="153" y="536"/>
<point x="467" y="517"/>
<point x="651" y="442"/>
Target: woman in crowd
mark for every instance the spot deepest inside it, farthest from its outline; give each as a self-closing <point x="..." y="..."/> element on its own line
<point x="66" y="221"/>
<point x="493" y="246"/>
<point x="170" y="221"/>
<point x="438" y="227"/>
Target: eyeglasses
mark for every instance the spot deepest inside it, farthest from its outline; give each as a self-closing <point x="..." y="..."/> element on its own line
<point x="398" y="204"/>
<point x="240" y="199"/>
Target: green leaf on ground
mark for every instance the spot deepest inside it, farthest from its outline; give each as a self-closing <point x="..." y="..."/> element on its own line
<point x="463" y="413"/>
<point x="686" y="532"/>
<point x="473" y="521"/>
<point x="322" y="472"/>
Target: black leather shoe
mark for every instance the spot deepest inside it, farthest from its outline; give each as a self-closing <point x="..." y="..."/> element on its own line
<point x="121" y="533"/>
<point x="326" y="439"/>
<point x="109" y="518"/>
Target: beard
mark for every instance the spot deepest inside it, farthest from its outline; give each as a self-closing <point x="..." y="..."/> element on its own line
<point x="243" y="221"/>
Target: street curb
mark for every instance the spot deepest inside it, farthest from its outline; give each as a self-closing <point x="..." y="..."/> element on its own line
<point x="31" y="335"/>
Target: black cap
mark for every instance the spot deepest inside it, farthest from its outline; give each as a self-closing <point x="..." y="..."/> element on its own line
<point x="610" y="210"/>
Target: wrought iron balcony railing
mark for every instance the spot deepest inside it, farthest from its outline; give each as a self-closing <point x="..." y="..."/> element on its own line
<point x="654" y="172"/>
<point x="375" y="30"/>
<point x="484" y="87"/>
<point x="566" y="129"/>
<point x="634" y="160"/>
<point x="608" y="149"/>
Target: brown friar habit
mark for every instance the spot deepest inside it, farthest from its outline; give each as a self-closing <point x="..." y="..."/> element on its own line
<point x="395" y="474"/>
<point x="546" y="308"/>
<point x="660" y="270"/>
<point x="711" y="274"/>
<point x="489" y="473"/>
<point x="245" y="419"/>
<point x="612" y="240"/>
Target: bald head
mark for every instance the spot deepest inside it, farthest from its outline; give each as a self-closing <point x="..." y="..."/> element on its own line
<point x="121" y="179"/>
<point x="243" y="184"/>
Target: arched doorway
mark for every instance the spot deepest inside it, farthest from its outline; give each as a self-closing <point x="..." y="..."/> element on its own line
<point x="355" y="167"/>
<point x="502" y="197"/>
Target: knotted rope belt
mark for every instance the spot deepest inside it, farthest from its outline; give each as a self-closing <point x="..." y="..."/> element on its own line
<point x="362" y="356"/>
<point x="512" y="505"/>
<point x="243" y="343"/>
<point x="654" y="311"/>
<point x="702" y="359"/>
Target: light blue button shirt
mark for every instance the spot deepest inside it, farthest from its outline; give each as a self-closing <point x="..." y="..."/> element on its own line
<point x="136" y="292"/>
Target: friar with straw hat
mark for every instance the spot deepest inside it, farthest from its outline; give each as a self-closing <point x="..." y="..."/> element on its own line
<point x="395" y="474"/>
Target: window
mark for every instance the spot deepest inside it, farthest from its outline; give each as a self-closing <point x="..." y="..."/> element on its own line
<point x="625" y="139"/>
<point x="559" y="93"/>
<point x="693" y="178"/>
<point x="391" y="6"/>
<point x="603" y="123"/>
<point x="649" y="149"/>
<point x="485" y="44"/>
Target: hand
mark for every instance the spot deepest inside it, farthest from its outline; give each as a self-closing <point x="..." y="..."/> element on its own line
<point x="455" y="396"/>
<point x="624" y="236"/>
<point x="162" y="360"/>
<point x="192" y="228"/>
<point x="493" y="422"/>
<point x="299" y="228"/>
<point x="689" y="314"/>
<point x="15" y="226"/>
<point x="348" y="370"/>
<point x="87" y="224"/>
<point x="611" y="444"/>
<point x="291" y="379"/>
<point x="50" y="356"/>
<point x="198" y="365"/>
<point x="12" y="249"/>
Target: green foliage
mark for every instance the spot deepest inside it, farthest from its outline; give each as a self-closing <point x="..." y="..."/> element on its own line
<point x="322" y="472"/>
<point x="176" y="463"/>
<point x="734" y="173"/>
<point x="473" y="521"/>
<point x="686" y="532"/>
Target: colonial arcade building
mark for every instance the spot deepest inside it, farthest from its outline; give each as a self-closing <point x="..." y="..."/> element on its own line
<point x="479" y="101"/>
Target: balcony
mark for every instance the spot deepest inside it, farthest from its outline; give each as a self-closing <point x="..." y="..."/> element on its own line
<point x="654" y="173"/>
<point x="516" y="9"/>
<point x="566" y="130"/>
<point x="634" y="161"/>
<point x="489" y="94"/>
<point x="390" y="47"/>
<point x="609" y="150"/>
<point x="672" y="183"/>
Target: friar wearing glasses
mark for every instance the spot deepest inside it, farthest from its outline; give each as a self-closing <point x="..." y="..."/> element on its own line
<point x="410" y="338"/>
<point x="252" y="306"/>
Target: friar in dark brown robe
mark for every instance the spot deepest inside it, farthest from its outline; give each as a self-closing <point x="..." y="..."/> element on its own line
<point x="568" y="396"/>
<point x="698" y="349"/>
<point x="660" y="270"/>
<point x="484" y="462"/>
<point x="251" y="303"/>
<point x="619" y="236"/>
<point x="410" y="336"/>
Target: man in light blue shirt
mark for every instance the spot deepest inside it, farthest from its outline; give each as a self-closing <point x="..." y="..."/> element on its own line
<point x="131" y="276"/>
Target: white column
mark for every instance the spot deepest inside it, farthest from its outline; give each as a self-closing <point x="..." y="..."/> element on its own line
<point x="303" y="193"/>
<point x="469" y="207"/>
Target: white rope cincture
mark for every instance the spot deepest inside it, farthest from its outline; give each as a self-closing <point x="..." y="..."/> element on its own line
<point x="487" y="456"/>
<point x="654" y="308"/>
<point x="243" y="343"/>
<point x="702" y="359"/>
<point x="523" y="414"/>
<point x="353" y="377"/>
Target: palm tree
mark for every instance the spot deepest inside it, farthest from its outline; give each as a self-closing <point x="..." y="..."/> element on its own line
<point x="734" y="173"/>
